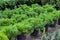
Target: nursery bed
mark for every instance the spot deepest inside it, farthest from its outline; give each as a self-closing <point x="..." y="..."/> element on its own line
<point x="50" y="30"/>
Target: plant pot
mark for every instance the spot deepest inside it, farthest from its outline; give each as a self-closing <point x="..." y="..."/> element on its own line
<point x="58" y="8"/>
<point x="46" y="28"/>
<point x="35" y="33"/>
<point x="40" y="3"/>
<point x="21" y="37"/>
<point x="54" y="24"/>
<point x="28" y="3"/>
<point x="58" y="21"/>
<point x="3" y="9"/>
<point x="11" y="7"/>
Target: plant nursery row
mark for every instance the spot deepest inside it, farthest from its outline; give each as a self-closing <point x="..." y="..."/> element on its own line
<point x="16" y="23"/>
<point x="15" y="3"/>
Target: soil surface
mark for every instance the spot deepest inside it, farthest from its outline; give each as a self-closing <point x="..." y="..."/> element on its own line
<point x="50" y="30"/>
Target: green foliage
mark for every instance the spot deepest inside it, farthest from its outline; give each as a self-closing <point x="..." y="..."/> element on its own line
<point x="19" y="18"/>
<point x="10" y="31"/>
<point x="18" y="11"/>
<point x="31" y="1"/>
<point x="24" y="27"/>
<point x="7" y="13"/>
<point x="49" y="8"/>
<point x="5" y="3"/>
<point x="58" y="13"/>
<point x="36" y="22"/>
<point x="6" y="22"/>
<point x="27" y="18"/>
<point x="2" y="3"/>
<point x="58" y="3"/>
<point x="55" y="15"/>
<point x="46" y="18"/>
<point x="3" y="36"/>
<point x="11" y="2"/>
<point x="28" y="11"/>
<point x="38" y="9"/>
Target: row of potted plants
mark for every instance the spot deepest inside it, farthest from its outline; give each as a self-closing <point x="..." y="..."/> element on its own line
<point x="12" y="26"/>
<point x="12" y="3"/>
<point x="22" y="13"/>
<point x="31" y="11"/>
<point x="29" y="25"/>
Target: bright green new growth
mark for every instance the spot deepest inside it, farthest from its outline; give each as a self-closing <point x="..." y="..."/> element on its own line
<point x="3" y="36"/>
<point x="10" y="31"/>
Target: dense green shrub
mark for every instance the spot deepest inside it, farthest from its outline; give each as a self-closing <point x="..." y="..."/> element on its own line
<point x="36" y="22"/>
<point x="38" y="9"/>
<point x="24" y="27"/>
<point x="5" y="3"/>
<point x="19" y="18"/>
<point x="7" y="13"/>
<point x="27" y="18"/>
<point x="29" y="11"/>
<point x="58" y="13"/>
<point x="3" y="36"/>
<point x="58" y="3"/>
<point x="6" y="22"/>
<point x="49" y="8"/>
<point x="46" y="19"/>
<point x="10" y="31"/>
<point x="2" y="4"/>
<point x="9" y="3"/>
<point x="23" y="9"/>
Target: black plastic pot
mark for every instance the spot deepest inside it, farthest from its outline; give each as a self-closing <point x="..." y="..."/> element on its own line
<point x="58" y="8"/>
<point x="40" y="3"/>
<point x="58" y="21"/>
<point x="35" y="33"/>
<point x="28" y="3"/>
<point x="46" y="28"/>
<point x="54" y="24"/>
<point x="11" y="7"/>
<point x="3" y="9"/>
<point x="21" y="37"/>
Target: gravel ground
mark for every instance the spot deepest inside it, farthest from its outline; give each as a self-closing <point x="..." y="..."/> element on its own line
<point x="50" y="30"/>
